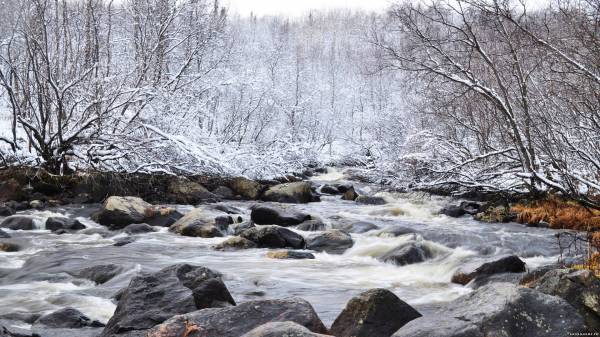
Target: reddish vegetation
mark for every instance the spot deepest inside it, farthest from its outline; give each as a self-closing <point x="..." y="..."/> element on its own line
<point x="559" y="214"/>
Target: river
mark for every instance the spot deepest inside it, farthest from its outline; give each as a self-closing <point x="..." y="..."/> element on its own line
<point x="35" y="279"/>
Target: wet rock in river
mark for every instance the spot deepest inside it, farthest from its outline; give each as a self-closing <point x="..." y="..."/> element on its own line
<point x="298" y="192"/>
<point x="240" y="227"/>
<point x="276" y="215"/>
<point x="289" y="255"/>
<point x="65" y="318"/>
<point x="499" y="309"/>
<point x="99" y="273"/>
<point x="235" y="243"/>
<point x="312" y="226"/>
<point x="453" y="211"/>
<point x="509" y="264"/>
<point x="18" y="222"/>
<point x="61" y="223"/>
<point x="124" y="241"/>
<point x="496" y="214"/>
<point x="227" y="209"/>
<point x="185" y="191"/>
<point x="330" y="189"/>
<point x="6" y="211"/>
<point x="224" y="192"/>
<point x="333" y="241"/>
<point x="163" y="217"/>
<point x="581" y="288"/>
<point x="350" y="194"/>
<point x="273" y="237"/>
<point x="151" y="299"/>
<point x="246" y="188"/>
<point x="138" y="228"/>
<point x="198" y="224"/>
<point x="376" y="312"/>
<point x="370" y="200"/>
<point x="4" y="332"/>
<point x="241" y="319"/>
<point x="279" y="329"/>
<point x="413" y="252"/>
<point x="118" y="212"/>
<point x="395" y="231"/>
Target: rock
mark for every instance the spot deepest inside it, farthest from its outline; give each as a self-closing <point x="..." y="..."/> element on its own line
<point x="581" y="288"/>
<point x="185" y="191"/>
<point x="197" y="224"/>
<point x="26" y="317"/>
<point x="376" y="312"/>
<point x="470" y="207"/>
<point x="6" y="211"/>
<point x="333" y="241"/>
<point x="60" y="223"/>
<point x="118" y="212"/>
<point x="224" y="192"/>
<point x="367" y="200"/>
<point x="273" y="237"/>
<point x="274" y="215"/>
<point x="124" y="241"/>
<point x="150" y="299"/>
<point x="496" y="214"/>
<point x="395" y="231"/>
<point x="482" y="280"/>
<point x="241" y="319"/>
<point x="100" y="274"/>
<point x="509" y="264"/>
<point x="9" y="247"/>
<point x="289" y="255"/>
<point x="359" y="227"/>
<point x="238" y="228"/>
<point x="453" y="211"/>
<point x="246" y="188"/>
<point x="298" y="192"/>
<point x="235" y="243"/>
<point x="311" y="226"/>
<point x="410" y="253"/>
<point x="18" y="222"/>
<point x="537" y="273"/>
<point x="4" y="332"/>
<point x="330" y="189"/>
<point x="138" y="228"/>
<point x="499" y="309"/>
<point x="350" y="194"/>
<point x="282" y="329"/>
<point x="4" y="235"/>
<point x="163" y="217"/>
<point x="223" y="221"/>
<point x="67" y="318"/>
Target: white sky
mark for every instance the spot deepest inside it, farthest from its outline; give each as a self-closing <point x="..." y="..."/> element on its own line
<point x="299" y="7"/>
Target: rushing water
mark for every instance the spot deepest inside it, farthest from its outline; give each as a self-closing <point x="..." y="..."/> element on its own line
<point x="35" y="279"/>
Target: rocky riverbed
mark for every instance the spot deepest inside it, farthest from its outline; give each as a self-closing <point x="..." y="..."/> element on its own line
<point x="325" y="256"/>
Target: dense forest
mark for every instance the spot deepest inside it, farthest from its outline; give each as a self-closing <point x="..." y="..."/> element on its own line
<point x="468" y="94"/>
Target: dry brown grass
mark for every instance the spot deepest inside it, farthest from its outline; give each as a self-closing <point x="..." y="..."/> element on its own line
<point x="559" y="214"/>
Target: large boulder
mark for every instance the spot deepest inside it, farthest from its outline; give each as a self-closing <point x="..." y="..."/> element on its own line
<point x="453" y="211"/>
<point x="100" y="273"/>
<point x="413" y="252"/>
<point x="163" y="217"/>
<point x="198" y="224"/>
<point x="18" y="222"/>
<point x="273" y="237"/>
<point x="298" y="192"/>
<point x="581" y="288"/>
<point x="241" y="319"/>
<point x="246" y="188"/>
<point x="118" y="212"/>
<point x="235" y="243"/>
<point x="240" y="227"/>
<point x="509" y="264"/>
<point x="138" y="228"/>
<point x="6" y="211"/>
<point x="376" y="312"/>
<point x="224" y="192"/>
<point x="333" y="241"/>
<point x="282" y="329"/>
<point x="330" y="189"/>
<point x="150" y="299"/>
<point x="9" y="247"/>
<point x="500" y="309"/>
<point x="275" y="215"/>
<point x="61" y="223"/>
<point x="68" y="318"/>
<point x="4" y="235"/>
<point x="185" y="191"/>
<point x="350" y="194"/>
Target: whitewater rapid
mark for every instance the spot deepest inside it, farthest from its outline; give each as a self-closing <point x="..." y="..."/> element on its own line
<point x="36" y="279"/>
